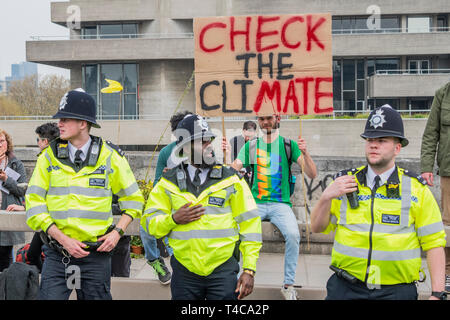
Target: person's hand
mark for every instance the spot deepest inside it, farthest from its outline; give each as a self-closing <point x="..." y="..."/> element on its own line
<point x="109" y="241"/>
<point x="74" y="247"/>
<point x="165" y="169"/>
<point x="15" y="207"/>
<point x="226" y="145"/>
<point x="3" y="175"/>
<point x="244" y="285"/>
<point x="301" y="144"/>
<point x="187" y="214"/>
<point x="428" y="176"/>
<point x="340" y="186"/>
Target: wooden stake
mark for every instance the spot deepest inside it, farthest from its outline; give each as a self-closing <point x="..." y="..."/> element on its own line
<point x="224" y="135"/>
<point x="304" y="191"/>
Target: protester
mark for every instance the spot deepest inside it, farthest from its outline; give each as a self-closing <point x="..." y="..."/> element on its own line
<point x="435" y="142"/>
<point x="271" y="157"/>
<point x="69" y="197"/>
<point x="383" y="216"/>
<point x="12" y="174"/>
<point x="237" y="142"/>
<point x="205" y="208"/>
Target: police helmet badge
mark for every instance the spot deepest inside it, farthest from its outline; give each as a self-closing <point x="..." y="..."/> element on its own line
<point x="377" y="119"/>
<point x="63" y="102"/>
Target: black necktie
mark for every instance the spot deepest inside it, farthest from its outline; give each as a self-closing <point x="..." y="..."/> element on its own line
<point x="196" y="180"/>
<point x="377" y="184"/>
<point x="78" y="162"/>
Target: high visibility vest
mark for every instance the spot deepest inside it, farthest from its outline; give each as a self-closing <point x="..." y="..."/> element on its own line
<point x="202" y="245"/>
<point x="79" y="203"/>
<point x="380" y="242"/>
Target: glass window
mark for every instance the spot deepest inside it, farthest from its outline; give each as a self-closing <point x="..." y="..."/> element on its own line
<point x="391" y="24"/>
<point x="336" y="24"/>
<point x="387" y="64"/>
<point x="419" y="24"/>
<point x="130" y="78"/>
<point x="346" y="25"/>
<point x="130" y="111"/>
<point x="370" y="67"/>
<point x="337" y="80"/>
<point x="90" y="79"/>
<point x="129" y="30"/>
<point x="349" y="100"/>
<point x="360" y="90"/>
<point x="442" y="23"/>
<point x="360" y="24"/>
<point x="349" y="74"/>
<point x="108" y="31"/>
<point x="110" y="101"/>
<point x="89" y="32"/>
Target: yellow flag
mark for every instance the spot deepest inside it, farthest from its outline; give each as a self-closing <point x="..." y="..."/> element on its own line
<point x="113" y="87"/>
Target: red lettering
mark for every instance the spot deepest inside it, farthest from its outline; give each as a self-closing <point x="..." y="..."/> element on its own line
<point x="310" y="32"/>
<point x="271" y="93"/>
<point x="290" y="96"/>
<point x="202" y="36"/>
<point x="305" y="81"/>
<point x="283" y="32"/>
<point x="245" y="32"/>
<point x="319" y="95"/>
<point x="260" y="34"/>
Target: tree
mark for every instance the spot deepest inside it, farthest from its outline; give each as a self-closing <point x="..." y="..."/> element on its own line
<point x="39" y="97"/>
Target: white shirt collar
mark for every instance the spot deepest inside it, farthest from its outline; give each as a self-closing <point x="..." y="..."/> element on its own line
<point x="370" y="176"/>
<point x="84" y="150"/>
<point x="203" y="173"/>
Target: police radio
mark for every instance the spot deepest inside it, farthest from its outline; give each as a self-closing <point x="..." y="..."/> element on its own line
<point x="352" y="196"/>
<point x="93" y="155"/>
<point x="181" y="179"/>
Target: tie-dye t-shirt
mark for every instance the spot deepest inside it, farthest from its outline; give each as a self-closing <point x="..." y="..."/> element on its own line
<point x="271" y="169"/>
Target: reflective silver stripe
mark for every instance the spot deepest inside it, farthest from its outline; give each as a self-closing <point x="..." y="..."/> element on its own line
<point x="128" y="191"/>
<point x="41" y="192"/>
<point x="36" y="210"/>
<point x="217" y="210"/>
<point x="108" y="166"/>
<point x="151" y="210"/>
<point x="380" y="228"/>
<point x="89" y="192"/>
<point x="130" y="205"/>
<point x="406" y="200"/>
<point x="257" y="237"/>
<point x="203" y="234"/>
<point x="247" y="215"/>
<point x="377" y="254"/>
<point x="333" y="219"/>
<point x="82" y="214"/>
<point x="343" y="211"/>
<point x="230" y="190"/>
<point x="430" y="229"/>
<point x="157" y="213"/>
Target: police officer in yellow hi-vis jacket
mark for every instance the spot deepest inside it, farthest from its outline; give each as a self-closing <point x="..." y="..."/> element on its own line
<point x="383" y="216"/>
<point x="208" y="213"/>
<point x="69" y="198"/>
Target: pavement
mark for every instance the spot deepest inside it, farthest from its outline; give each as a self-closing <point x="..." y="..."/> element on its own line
<point x="312" y="271"/>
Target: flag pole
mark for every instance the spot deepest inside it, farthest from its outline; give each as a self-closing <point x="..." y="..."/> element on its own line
<point x="304" y="190"/>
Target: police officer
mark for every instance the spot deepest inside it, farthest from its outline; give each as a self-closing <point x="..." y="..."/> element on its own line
<point x="383" y="216"/>
<point x="69" y="198"/>
<point x="205" y="209"/>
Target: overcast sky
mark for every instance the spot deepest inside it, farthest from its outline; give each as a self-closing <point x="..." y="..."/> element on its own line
<point x="20" y="19"/>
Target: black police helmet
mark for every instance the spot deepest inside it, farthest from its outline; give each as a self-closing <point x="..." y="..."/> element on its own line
<point x="385" y="121"/>
<point x="77" y="104"/>
<point x="192" y="127"/>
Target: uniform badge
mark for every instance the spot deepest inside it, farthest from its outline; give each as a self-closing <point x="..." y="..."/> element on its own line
<point x="392" y="191"/>
<point x="215" y="201"/>
<point x="63" y="102"/>
<point x="377" y="120"/>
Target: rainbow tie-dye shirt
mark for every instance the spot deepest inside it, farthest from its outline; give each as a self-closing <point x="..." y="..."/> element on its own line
<point x="271" y="170"/>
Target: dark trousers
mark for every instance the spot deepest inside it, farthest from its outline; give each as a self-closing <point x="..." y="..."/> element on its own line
<point x="5" y="257"/>
<point x="90" y="276"/>
<point x="34" y="253"/>
<point x="121" y="259"/>
<point x="340" y="289"/>
<point x="219" y="285"/>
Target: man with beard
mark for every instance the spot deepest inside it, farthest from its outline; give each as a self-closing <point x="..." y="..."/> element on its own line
<point x="383" y="216"/>
<point x="271" y="157"/>
<point x="205" y="209"/>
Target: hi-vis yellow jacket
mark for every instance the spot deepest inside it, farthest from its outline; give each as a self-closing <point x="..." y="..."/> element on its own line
<point x="231" y="215"/>
<point x="380" y="241"/>
<point x="79" y="203"/>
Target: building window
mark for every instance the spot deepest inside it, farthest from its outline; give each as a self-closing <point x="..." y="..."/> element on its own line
<point x="113" y="105"/>
<point x="382" y="65"/>
<point x="349" y="89"/>
<point x="110" y="31"/>
<point x="359" y="24"/>
<point x="419" y="24"/>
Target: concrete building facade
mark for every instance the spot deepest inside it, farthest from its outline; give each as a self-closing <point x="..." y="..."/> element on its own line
<point x="395" y="52"/>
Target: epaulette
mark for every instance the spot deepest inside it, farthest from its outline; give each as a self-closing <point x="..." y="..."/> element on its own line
<point x="344" y="173"/>
<point x="416" y="176"/>
<point x="230" y="171"/>
<point x="115" y="147"/>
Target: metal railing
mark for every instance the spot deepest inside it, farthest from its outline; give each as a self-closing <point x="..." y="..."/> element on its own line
<point x="412" y="71"/>
<point x="188" y="35"/>
<point x="391" y="30"/>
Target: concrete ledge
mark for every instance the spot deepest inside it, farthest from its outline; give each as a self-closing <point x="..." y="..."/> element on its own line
<point x="16" y="221"/>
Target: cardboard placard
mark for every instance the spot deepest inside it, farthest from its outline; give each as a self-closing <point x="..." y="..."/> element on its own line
<point x="261" y="65"/>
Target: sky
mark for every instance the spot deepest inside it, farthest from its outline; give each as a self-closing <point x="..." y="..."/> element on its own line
<point x="19" y="20"/>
